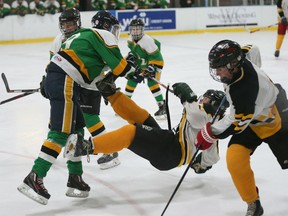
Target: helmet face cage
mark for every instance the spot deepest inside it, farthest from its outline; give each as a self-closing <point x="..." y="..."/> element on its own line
<point x="216" y="98"/>
<point x="105" y="20"/>
<point x="136" y="29"/>
<point x="69" y="21"/>
<point x="225" y="53"/>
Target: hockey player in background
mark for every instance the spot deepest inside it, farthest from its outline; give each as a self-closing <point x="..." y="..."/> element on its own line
<point x="20" y="7"/>
<point x="145" y="52"/>
<point x="282" y="9"/>
<point x="258" y="113"/>
<point x="164" y="149"/>
<point x="78" y="64"/>
<point x="5" y="9"/>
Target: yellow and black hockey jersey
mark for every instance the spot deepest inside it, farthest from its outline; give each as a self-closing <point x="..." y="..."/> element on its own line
<point x="252" y="99"/>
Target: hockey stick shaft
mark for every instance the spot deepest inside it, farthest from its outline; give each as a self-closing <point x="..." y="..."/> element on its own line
<point x="261" y="28"/>
<point x="167" y="108"/>
<point x="16" y="97"/>
<point x="192" y="160"/>
<point x="161" y="84"/>
<point x="16" y="90"/>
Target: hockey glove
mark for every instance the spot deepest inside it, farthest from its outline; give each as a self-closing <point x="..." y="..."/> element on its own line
<point x="131" y="59"/>
<point x="137" y="77"/>
<point x="205" y="138"/>
<point x="42" y="87"/>
<point x="284" y="20"/>
<point x="196" y="165"/>
<point x="107" y="86"/>
<point x="150" y="72"/>
<point x="184" y="92"/>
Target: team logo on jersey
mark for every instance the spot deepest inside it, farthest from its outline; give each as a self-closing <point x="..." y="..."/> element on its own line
<point x="57" y="58"/>
<point x="148" y="128"/>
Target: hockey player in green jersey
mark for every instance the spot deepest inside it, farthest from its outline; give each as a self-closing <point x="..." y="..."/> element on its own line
<point x="5" y="9"/>
<point x="37" y="7"/>
<point x="20" y="7"/>
<point x="69" y="22"/>
<point x="145" y="52"/>
<point x="78" y="64"/>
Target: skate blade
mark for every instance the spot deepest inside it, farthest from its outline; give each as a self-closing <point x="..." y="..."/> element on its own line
<point x="161" y="117"/>
<point x="73" y="192"/>
<point x="69" y="149"/>
<point x="113" y="163"/>
<point x="25" y="189"/>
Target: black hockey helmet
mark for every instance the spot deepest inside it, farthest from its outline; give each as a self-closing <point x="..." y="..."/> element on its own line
<point x="70" y="15"/>
<point x="136" y="29"/>
<point x="216" y="97"/>
<point x="105" y="20"/>
<point x="225" y="53"/>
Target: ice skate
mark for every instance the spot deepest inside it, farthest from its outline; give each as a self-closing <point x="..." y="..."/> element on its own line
<point x="107" y="161"/>
<point x="197" y="167"/>
<point x="33" y="188"/>
<point x="77" y="187"/>
<point x="161" y="114"/>
<point x="277" y="53"/>
<point x="76" y="146"/>
<point x="255" y="209"/>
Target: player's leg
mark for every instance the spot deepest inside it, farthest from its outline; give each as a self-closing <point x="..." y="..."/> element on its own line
<point x="280" y="37"/>
<point x="157" y="94"/>
<point x="62" y="93"/>
<point x="90" y="103"/>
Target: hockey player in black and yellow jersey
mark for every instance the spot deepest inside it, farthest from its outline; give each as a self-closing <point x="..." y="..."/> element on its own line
<point x="258" y="113"/>
<point x="78" y="64"/>
<point x="164" y="149"/>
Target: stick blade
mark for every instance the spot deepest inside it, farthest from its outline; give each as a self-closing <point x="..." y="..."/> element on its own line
<point x="5" y="82"/>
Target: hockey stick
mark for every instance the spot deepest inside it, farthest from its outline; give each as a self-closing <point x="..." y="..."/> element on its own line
<point x="161" y="84"/>
<point x="15" y="97"/>
<point x="167" y="109"/>
<point x="192" y="160"/>
<point x="259" y="29"/>
<point x="16" y="90"/>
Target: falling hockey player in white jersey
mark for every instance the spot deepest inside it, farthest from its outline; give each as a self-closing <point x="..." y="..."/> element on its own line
<point x="164" y="149"/>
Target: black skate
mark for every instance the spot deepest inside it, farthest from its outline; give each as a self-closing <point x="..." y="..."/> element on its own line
<point x="255" y="209"/>
<point x="197" y="167"/>
<point x="161" y="114"/>
<point x="277" y="53"/>
<point x="107" y="161"/>
<point x="34" y="182"/>
<point x="77" y="187"/>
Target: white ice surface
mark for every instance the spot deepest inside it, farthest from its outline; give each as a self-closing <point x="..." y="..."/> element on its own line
<point x="134" y="188"/>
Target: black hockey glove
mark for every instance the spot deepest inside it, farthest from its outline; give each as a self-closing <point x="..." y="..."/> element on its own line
<point x="196" y="165"/>
<point x="184" y="92"/>
<point x="107" y="86"/>
<point x="150" y="72"/>
<point x="42" y="86"/>
<point x="131" y="59"/>
<point x="137" y="77"/>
